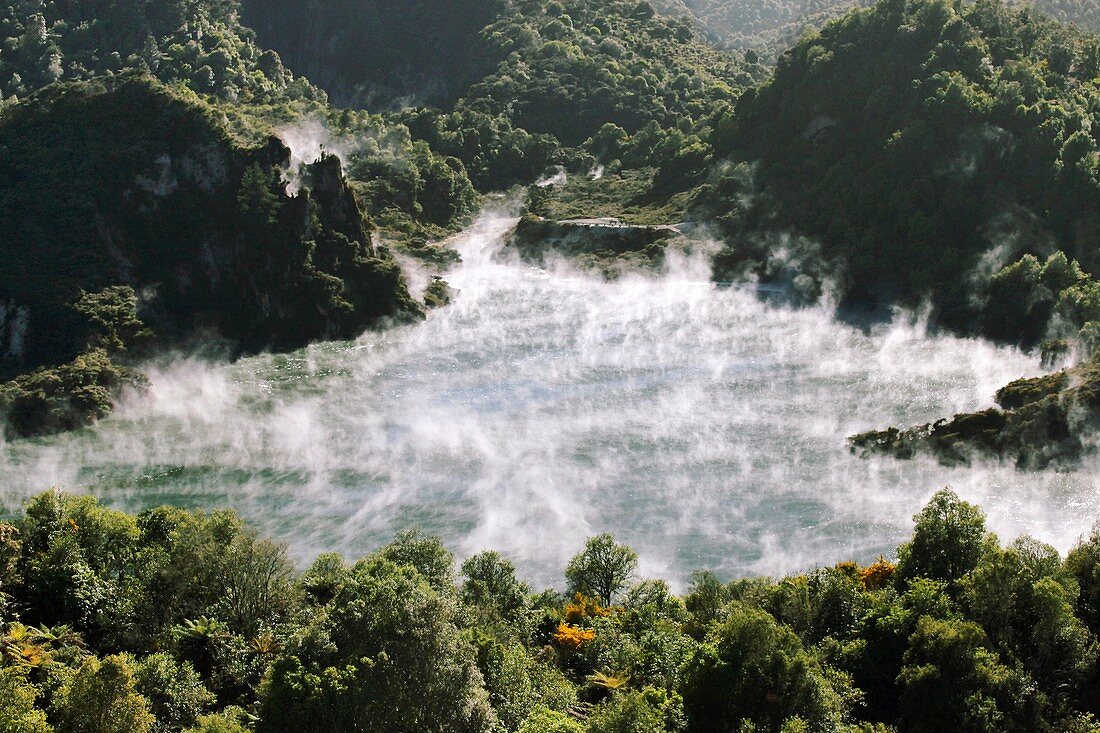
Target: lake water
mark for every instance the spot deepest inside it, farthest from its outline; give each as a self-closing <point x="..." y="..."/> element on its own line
<point x="703" y="427"/>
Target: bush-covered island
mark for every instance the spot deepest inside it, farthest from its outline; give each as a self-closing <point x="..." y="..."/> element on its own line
<point x="173" y="620"/>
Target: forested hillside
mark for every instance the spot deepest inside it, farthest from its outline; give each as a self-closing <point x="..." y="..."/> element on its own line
<point x="379" y="54"/>
<point x="551" y="74"/>
<point x="769" y="27"/>
<point x="174" y="620"/>
<point x="151" y="194"/>
<point x="912" y="154"/>
<point x="151" y="204"/>
<point x="917" y="149"/>
<point x="199" y="43"/>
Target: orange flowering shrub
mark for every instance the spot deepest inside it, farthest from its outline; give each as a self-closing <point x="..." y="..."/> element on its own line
<point x="877" y="574"/>
<point x="572" y="637"/>
<point x="582" y="608"/>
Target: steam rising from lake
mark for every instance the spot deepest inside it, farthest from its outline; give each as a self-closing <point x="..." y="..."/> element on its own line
<point x="701" y="426"/>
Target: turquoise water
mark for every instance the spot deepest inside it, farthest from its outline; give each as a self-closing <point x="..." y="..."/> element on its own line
<point x="700" y="425"/>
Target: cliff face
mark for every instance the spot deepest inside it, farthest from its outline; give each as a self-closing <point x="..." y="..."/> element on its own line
<point x="131" y="183"/>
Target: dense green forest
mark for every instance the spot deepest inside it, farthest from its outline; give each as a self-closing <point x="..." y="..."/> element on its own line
<point x="151" y="194"/>
<point x="173" y="620"/>
<point x="910" y="150"/>
<point x="151" y="203"/>
<point x="769" y="27"/>
<point x="136" y="116"/>
<point x="540" y="79"/>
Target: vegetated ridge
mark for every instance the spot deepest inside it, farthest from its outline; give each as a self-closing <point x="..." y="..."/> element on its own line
<point x="173" y="620"/>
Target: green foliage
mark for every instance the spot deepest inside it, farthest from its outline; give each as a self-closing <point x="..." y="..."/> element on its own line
<point x="514" y="80"/>
<point x="765" y="28"/>
<point x="914" y="143"/>
<point x="1083" y="563"/>
<point x="598" y="63"/>
<point x="1001" y="641"/>
<point x="224" y="723"/>
<point x="643" y="711"/>
<point x="18" y="713"/>
<point x="425" y="554"/>
<point x="100" y="697"/>
<point x="76" y="560"/>
<point x="504" y="669"/>
<point x="70" y="396"/>
<point x="1028" y="301"/>
<point x="953" y="681"/>
<point x="627" y="195"/>
<point x="385" y="653"/>
<point x="199" y="44"/>
<point x="1024" y="599"/>
<point x="602" y="569"/>
<point x="543" y="720"/>
<point x="491" y="584"/>
<point x="153" y="193"/>
<point x="175" y="692"/>
<point x="754" y="671"/>
<point x="113" y="320"/>
<point x="948" y="540"/>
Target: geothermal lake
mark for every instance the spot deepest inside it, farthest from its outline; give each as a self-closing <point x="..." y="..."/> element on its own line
<point x="702" y="426"/>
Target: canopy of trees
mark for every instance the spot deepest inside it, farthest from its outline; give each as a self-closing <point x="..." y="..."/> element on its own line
<point x="173" y="620"/>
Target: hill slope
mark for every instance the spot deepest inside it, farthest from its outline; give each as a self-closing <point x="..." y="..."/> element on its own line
<point x="129" y="183"/>
<point x="548" y="74"/>
<point x="769" y="27"/>
<point x="918" y="149"/>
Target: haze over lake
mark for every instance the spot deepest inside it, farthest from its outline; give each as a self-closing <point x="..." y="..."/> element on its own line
<point x="702" y="426"/>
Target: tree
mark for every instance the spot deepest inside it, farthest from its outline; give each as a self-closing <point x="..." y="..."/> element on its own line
<point x="175" y="692"/>
<point x="1083" y="562"/>
<point x="17" y="711"/>
<point x="101" y="698"/>
<point x="258" y="198"/>
<point x="753" y="671"/>
<point x="385" y="656"/>
<point x="491" y="583"/>
<point x="953" y="682"/>
<point x="948" y="540"/>
<point x="255" y="582"/>
<point x="639" y="711"/>
<point x="602" y="569"/>
<point x="426" y="554"/>
<point x="77" y="561"/>
<point x="1024" y="599"/>
<point x="112" y="318"/>
<point x="543" y="720"/>
<point x="10" y="551"/>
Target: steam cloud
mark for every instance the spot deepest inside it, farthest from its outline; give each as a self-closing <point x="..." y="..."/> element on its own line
<point x="702" y="426"/>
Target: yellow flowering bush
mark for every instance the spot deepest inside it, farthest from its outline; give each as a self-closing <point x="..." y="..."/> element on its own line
<point x="573" y="637"/>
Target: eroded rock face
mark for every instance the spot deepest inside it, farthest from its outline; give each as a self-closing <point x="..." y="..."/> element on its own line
<point x="14" y="321"/>
<point x="158" y="195"/>
<point x="595" y="241"/>
<point x="1045" y="421"/>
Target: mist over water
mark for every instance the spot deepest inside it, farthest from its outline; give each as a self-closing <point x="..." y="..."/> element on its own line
<point x="703" y="427"/>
